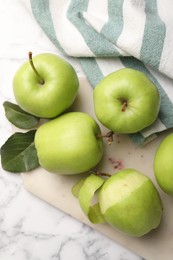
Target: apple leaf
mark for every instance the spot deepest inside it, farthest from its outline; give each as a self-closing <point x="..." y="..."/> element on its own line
<point x="85" y="190"/>
<point x="19" y="117"/>
<point x="18" y="153"/>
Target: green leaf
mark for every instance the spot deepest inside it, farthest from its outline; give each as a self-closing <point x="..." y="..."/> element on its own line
<point x="85" y="190"/>
<point x="18" y="154"/>
<point x="18" y="117"/>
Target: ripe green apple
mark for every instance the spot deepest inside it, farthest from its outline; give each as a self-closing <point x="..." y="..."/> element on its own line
<point x="45" y="86"/>
<point x="126" y="101"/>
<point x="130" y="202"/>
<point x="69" y="144"/>
<point x="163" y="164"/>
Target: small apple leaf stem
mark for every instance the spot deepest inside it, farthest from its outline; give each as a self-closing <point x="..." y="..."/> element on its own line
<point x="108" y="136"/>
<point x="124" y="105"/>
<point x="104" y="174"/>
<point x="41" y="81"/>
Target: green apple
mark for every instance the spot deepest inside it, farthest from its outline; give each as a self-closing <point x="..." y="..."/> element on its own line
<point x="163" y="164"/>
<point x="130" y="202"/>
<point x="126" y="101"/>
<point x="69" y="144"/>
<point x="45" y="86"/>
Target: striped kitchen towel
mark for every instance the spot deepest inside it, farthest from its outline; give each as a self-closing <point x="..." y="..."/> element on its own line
<point x="107" y="35"/>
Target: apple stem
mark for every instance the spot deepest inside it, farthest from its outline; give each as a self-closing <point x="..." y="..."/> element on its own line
<point x="108" y="136"/>
<point x="97" y="173"/>
<point x="124" y="105"/>
<point x="41" y="81"/>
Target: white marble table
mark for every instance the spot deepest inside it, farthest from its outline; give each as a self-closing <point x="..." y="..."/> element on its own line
<point x="30" y="228"/>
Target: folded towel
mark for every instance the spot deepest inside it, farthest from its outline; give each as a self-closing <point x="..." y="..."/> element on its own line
<point x="108" y="35"/>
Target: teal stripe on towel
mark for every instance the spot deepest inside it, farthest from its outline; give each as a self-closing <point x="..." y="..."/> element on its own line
<point x="40" y="9"/>
<point x="96" y="42"/>
<point x="166" y="106"/>
<point x="154" y="35"/>
<point x="138" y="139"/>
<point x="92" y="70"/>
<point x="113" y="28"/>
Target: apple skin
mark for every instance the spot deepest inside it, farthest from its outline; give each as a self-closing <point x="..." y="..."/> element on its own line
<point x="68" y="144"/>
<point x="130" y="202"/>
<point x="53" y="97"/>
<point x="163" y="164"/>
<point x="133" y="87"/>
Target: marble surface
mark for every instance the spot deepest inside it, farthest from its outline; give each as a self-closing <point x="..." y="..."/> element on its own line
<point x="31" y="229"/>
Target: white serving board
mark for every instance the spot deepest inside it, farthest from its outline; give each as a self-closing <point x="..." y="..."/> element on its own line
<point x="122" y="153"/>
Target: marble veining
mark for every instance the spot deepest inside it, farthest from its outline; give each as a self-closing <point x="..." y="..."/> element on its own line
<point x="30" y="229"/>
